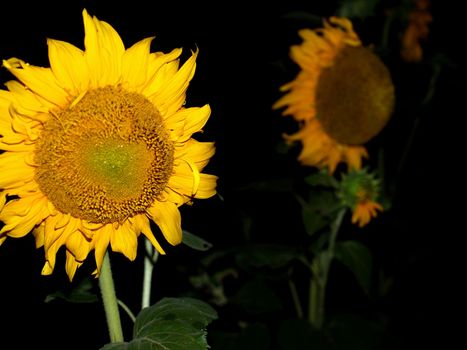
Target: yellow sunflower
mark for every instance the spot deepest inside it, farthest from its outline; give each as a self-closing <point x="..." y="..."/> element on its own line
<point x="364" y="211"/>
<point x="99" y="145"/>
<point x="342" y="97"/>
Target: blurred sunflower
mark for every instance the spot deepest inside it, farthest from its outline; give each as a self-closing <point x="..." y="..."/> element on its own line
<point x="98" y="145"/>
<point x="359" y="190"/>
<point x="342" y="97"/>
<point x="416" y="31"/>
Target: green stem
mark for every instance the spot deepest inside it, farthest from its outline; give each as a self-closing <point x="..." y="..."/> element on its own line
<point x="320" y="272"/>
<point x="150" y="259"/>
<point x="109" y="299"/>
<point x="125" y="308"/>
<point x="426" y="100"/>
<point x="386" y="31"/>
<point x="314" y="308"/>
<point x="295" y="298"/>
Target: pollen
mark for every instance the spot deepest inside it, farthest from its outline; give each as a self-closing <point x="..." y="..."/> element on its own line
<point x="105" y="157"/>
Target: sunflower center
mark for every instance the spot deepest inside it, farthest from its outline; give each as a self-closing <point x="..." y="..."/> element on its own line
<point x="355" y="96"/>
<point x="116" y="165"/>
<point x="104" y="158"/>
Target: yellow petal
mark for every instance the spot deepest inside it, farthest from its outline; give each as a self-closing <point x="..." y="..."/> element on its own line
<point x="195" y="119"/>
<point x="157" y="63"/>
<point x="71" y="265"/>
<point x="101" y="243"/>
<point x="68" y="65"/>
<point x="183" y="183"/>
<point x="40" y="80"/>
<point x="14" y="171"/>
<point x="141" y="222"/>
<point x="39" y="235"/>
<point x="171" y="97"/>
<point x="24" y="190"/>
<point x="22" y="215"/>
<point x="135" y="64"/>
<point x="175" y="197"/>
<point x="3" y="195"/>
<point x="167" y="217"/>
<point x="196" y="152"/>
<point x="24" y="100"/>
<point x="54" y="238"/>
<point x="78" y="245"/>
<point x="47" y="269"/>
<point x="104" y="51"/>
<point x="124" y="240"/>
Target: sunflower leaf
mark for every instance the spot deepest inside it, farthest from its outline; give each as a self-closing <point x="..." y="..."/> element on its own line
<point x="323" y="179"/>
<point x="195" y="242"/>
<point x="172" y="323"/>
<point x="80" y="293"/>
<point x="313" y="221"/>
<point x="357" y="8"/>
<point x="358" y="259"/>
<point x="259" y="256"/>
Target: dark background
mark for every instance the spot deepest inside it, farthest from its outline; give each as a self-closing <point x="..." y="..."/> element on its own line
<point x="243" y="60"/>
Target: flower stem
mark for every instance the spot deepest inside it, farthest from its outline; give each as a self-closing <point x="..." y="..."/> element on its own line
<point x="109" y="299"/>
<point x="320" y="272"/>
<point x="150" y="259"/>
<point x="295" y="298"/>
<point x="314" y="308"/>
<point x="386" y="30"/>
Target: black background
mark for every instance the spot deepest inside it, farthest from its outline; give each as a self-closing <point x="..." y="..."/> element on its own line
<point x="238" y="75"/>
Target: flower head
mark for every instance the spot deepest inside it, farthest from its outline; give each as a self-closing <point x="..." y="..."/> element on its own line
<point x="99" y="145"/>
<point x="416" y="31"/>
<point x="359" y="191"/>
<point x="342" y="97"/>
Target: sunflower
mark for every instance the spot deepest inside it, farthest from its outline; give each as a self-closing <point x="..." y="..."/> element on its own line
<point x="416" y="31"/>
<point x="359" y="190"/>
<point x="98" y="146"/>
<point x="342" y="96"/>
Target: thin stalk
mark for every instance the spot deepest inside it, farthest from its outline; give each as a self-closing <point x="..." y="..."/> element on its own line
<point x="109" y="299"/>
<point x="125" y="308"/>
<point x="320" y="272"/>
<point x="149" y="260"/>
<point x="295" y="298"/>
<point x="314" y="309"/>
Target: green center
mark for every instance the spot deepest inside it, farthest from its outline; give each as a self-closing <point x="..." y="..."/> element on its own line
<point x="115" y="165"/>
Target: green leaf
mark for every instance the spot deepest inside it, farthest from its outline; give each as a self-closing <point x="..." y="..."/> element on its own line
<point x="318" y="211"/>
<point x="322" y="178"/>
<point x="358" y="259"/>
<point x="256" y="298"/>
<point x="356" y="8"/>
<point x="266" y="255"/>
<point x="323" y="201"/>
<point x="80" y="293"/>
<point x="317" y="246"/>
<point x="192" y="311"/>
<point x="195" y="242"/>
<point x="313" y="221"/>
<point x="171" y="324"/>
